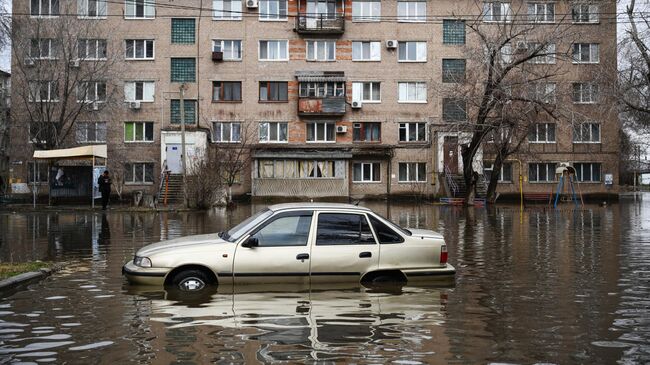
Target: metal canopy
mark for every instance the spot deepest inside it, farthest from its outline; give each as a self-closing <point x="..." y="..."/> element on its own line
<point x="76" y="153"/>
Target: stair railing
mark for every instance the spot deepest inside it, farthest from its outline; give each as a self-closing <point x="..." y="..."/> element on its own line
<point x="450" y="181"/>
<point x="164" y="179"/>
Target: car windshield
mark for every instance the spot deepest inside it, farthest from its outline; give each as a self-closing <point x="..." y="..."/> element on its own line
<point x="397" y="227"/>
<point x="237" y="231"/>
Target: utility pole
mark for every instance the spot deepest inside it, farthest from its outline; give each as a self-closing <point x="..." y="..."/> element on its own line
<point x="182" y="110"/>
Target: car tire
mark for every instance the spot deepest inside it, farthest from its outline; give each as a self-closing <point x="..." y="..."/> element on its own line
<point x="190" y="280"/>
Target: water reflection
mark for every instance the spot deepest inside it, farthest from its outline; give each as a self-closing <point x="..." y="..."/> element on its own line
<point x="559" y="286"/>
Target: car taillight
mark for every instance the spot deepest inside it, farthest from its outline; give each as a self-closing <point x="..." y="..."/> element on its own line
<point x="443" y="254"/>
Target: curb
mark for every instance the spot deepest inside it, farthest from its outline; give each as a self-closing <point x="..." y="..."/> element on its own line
<point x="26" y="278"/>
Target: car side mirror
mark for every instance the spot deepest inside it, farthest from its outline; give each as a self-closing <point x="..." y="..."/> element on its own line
<point x="251" y="242"/>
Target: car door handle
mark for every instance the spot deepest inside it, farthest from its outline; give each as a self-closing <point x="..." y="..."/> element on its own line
<point x="302" y="256"/>
<point x="365" y="255"/>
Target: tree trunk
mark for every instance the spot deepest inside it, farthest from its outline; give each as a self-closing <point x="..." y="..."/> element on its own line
<point x="494" y="179"/>
<point x="469" y="175"/>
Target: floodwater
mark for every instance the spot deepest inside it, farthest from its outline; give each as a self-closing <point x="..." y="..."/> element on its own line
<point x="568" y="286"/>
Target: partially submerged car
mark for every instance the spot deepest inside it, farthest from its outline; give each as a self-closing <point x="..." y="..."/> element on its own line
<point x="295" y="243"/>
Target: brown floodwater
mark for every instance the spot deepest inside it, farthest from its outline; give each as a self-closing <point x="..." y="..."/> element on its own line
<point x="567" y="286"/>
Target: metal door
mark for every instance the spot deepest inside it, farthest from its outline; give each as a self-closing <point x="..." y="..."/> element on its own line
<point x="450" y="152"/>
<point x="174" y="156"/>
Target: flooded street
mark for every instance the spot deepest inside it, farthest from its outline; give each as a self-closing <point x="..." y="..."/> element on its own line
<point x="546" y="286"/>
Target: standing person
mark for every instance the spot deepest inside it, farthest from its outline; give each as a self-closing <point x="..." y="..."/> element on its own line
<point x="104" y="183"/>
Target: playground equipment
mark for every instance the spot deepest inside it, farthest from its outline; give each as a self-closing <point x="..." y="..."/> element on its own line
<point x="566" y="172"/>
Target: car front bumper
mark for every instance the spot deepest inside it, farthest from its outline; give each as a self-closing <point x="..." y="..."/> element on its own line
<point x="144" y="275"/>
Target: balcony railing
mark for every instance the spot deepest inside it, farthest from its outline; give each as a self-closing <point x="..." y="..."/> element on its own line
<point x="315" y="23"/>
<point x="332" y="106"/>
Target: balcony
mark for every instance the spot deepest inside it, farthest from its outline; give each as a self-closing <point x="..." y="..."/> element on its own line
<point x="315" y="23"/>
<point x="321" y="107"/>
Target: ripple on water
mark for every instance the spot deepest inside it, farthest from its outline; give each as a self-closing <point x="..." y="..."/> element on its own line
<point x="34" y="347"/>
<point x="91" y="346"/>
<point x="56" y="297"/>
<point x="613" y="344"/>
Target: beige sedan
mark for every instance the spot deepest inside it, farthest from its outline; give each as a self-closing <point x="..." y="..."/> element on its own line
<point x="295" y="243"/>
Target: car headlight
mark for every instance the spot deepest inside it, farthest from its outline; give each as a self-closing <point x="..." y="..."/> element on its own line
<point x="142" y="261"/>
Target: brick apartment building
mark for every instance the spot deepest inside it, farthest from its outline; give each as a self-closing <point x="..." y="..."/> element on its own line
<point x="347" y="101"/>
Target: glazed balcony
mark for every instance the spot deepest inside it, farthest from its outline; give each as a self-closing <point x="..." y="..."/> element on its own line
<point x="321" y="107"/>
<point x="320" y="23"/>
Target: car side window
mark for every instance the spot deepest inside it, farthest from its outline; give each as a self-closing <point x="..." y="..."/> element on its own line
<point x="285" y="230"/>
<point x="384" y="233"/>
<point x="343" y="229"/>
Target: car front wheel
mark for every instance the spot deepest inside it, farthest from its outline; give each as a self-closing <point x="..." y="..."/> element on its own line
<point x="190" y="280"/>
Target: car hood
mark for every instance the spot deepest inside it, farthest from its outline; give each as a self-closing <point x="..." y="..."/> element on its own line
<point x="187" y="241"/>
<point x="425" y="233"/>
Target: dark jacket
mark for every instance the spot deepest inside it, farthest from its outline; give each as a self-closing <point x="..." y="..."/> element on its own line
<point x="104" y="183"/>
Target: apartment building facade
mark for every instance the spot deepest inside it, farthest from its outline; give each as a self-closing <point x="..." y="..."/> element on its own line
<point x="332" y="98"/>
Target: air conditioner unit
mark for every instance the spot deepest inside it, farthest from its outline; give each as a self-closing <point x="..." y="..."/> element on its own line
<point x="29" y="62"/>
<point x="75" y="63"/>
<point x="522" y="46"/>
<point x="217" y="56"/>
<point x="252" y="3"/>
<point x="391" y="43"/>
<point x="356" y="104"/>
<point x="134" y="105"/>
<point x="341" y="129"/>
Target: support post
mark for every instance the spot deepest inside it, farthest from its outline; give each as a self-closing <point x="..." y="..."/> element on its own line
<point x="182" y="110"/>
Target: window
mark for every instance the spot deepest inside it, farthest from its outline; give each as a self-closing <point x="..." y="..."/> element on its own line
<point x="294" y="169"/>
<point x="543" y="53"/>
<point x="366" y="132"/>
<point x="273" y="9"/>
<point x="541" y="172"/>
<point x="384" y="233"/>
<point x="496" y="11"/>
<point x="343" y="229"/>
<point x="189" y="107"/>
<point x="274" y="91"/>
<point x="274" y="51"/>
<point x="368" y="92"/>
<point x="366" y="51"/>
<point x="140" y="9"/>
<point x="412" y="92"/>
<point x="366" y="172"/>
<point x="322" y="89"/>
<point x="585" y="93"/>
<point x="43" y="48"/>
<point x="454" y="110"/>
<point x="183" y="31"/>
<point x="585" y="13"/>
<point x="542" y="133"/>
<point x="289" y="229"/>
<point x="91" y="132"/>
<point x="139" y="49"/>
<point x="91" y="49"/>
<point x="91" y="91"/>
<point x="412" y="171"/>
<point x="40" y="171"/>
<point x="321" y="132"/>
<point x="91" y="8"/>
<point x="587" y="172"/>
<point x="412" y="132"/>
<point x="226" y="91"/>
<point x="43" y="91"/>
<point x="586" y="133"/>
<point x="138" y="173"/>
<point x="229" y="132"/>
<point x="321" y="50"/>
<point x="585" y="53"/>
<point x="273" y="132"/>
<point x="139" y="90"/>
<point x="412" y="52"/>
<point x="366" y="10"/>
<point x="543" y="92"/>
<point x="505" y="173"/>
<point x="226" y="10"/>
<point x="44" y="8"/>
<point x="411" y="11"/>
<point x="453" y="31"/>
<point x="541" y="12"/>
<point x="138" y="132"/>
<point x="453" y="71"/>
<point x="183" y="70"/>
<point x="232" y="50"/>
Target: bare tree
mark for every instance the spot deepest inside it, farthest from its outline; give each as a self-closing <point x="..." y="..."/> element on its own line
<point x="235" y="158"/>
<point x="204" y="186"/>
<point x="65" y="75"/>
<point x="510" y="83"/>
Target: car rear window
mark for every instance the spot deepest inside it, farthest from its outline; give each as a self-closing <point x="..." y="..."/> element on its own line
<point x="384" y="233"/>
<point x="343" y="229"/>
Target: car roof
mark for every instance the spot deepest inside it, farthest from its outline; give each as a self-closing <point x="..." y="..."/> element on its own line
<point x="293" y="206"/>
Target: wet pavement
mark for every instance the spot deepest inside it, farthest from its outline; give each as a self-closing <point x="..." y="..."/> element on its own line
<point x="547" y="286"/>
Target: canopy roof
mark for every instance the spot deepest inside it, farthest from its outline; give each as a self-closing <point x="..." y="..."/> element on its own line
<point x="76" y="153"/>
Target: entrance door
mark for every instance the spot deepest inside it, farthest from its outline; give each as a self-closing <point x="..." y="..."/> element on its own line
<point x="174" y="155"/>
<point x="450" y="154"/>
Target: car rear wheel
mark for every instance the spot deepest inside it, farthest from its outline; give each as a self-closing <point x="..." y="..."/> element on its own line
<point x="190" y="280"/>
